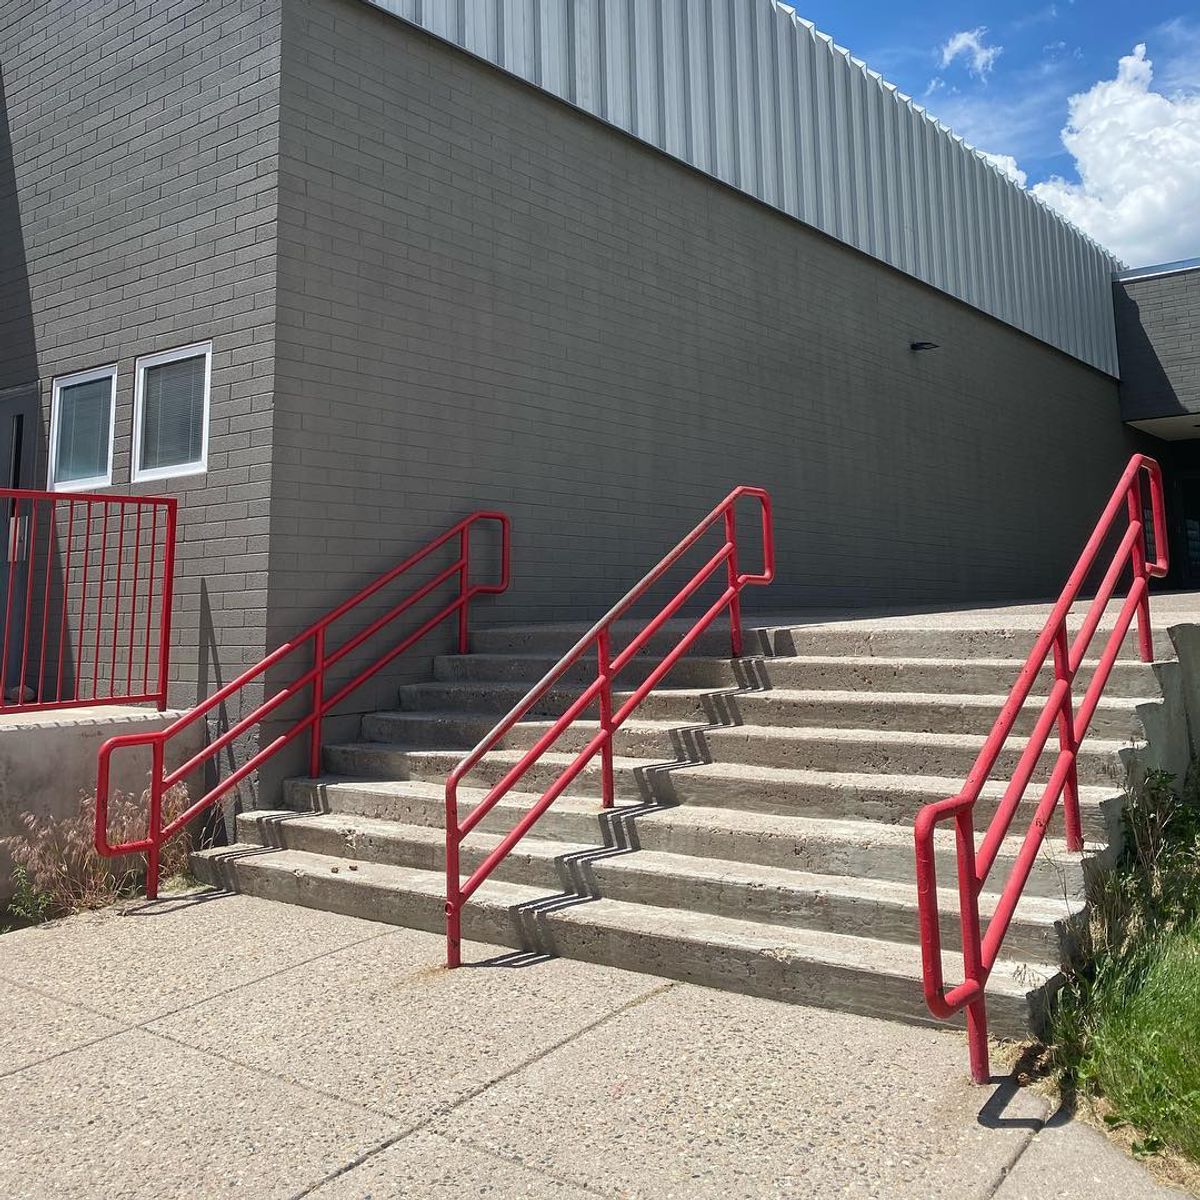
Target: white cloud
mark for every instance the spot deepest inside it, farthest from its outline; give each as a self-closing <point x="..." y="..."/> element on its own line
<point x="1040" y="17"/>
<point x="1007" y="166"/>
<point x="1137" y="152"/>
<point x="968" y="44"/>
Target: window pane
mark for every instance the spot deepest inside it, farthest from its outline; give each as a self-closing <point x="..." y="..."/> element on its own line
<point x="172" y="414"/>
<point x="83" y="420"/>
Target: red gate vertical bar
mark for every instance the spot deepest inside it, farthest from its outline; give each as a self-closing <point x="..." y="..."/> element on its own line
<point x="100" y="599"/>
<point x="66" y="599"/>
<point x="51" y="526"/>
<point x="604" y="664"/>
<point x="137" y="562"/>
<point x="168" y="592"/>
<point x="117" y="622"/>
<point x="735" y="600"/>
<point x="87" y="559"/>
<point x="150" y="596"/>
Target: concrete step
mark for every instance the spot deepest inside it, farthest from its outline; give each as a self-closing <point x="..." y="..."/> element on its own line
<point x="555" y="640"/>
<point x="818" y="845"/>
<point x="928" y="641"/>
<point x="529" y="668"/>
<point x="800" y="965"/>
<point x="690" y="794"/>
<point x="746" y="891"/>
<point x="857" y="709"/>
<point x="839" y="672"/>
<point x="890" y="799"/>
<point x="924" y="638"/>
<point x="892" y="752"/>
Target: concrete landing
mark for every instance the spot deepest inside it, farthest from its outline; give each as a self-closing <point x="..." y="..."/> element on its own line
<point x="214" y="1045"/>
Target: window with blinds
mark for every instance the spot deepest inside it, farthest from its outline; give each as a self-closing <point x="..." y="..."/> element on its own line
<point x="171" y="413"/>
<point x="81" y="430"/>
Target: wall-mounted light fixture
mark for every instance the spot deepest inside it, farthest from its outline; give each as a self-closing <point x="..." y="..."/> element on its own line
<point x="914" y="346"/>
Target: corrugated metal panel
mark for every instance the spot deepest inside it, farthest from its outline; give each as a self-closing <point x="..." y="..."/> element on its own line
<point x="755" y="96"/>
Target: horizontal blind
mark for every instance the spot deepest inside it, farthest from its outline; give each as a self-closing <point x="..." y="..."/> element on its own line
<point x="173" y="414"/>
<point x="84" y="416"/>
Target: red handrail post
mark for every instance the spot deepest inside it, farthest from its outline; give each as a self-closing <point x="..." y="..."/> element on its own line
<point x="1067" y="741"/>
<point x="318" y="701"/>
<point x="155" y="830"/>
<point x="735" y="603"/>
<point x="453" y="881"/>
<point x="164" y="624"/>
<point x="604" y="661"/>
<point x="464" y="574"/>
<point x="968" y="899"/>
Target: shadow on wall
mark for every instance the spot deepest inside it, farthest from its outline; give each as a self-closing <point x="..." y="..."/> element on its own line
<point x="18" y="346"/>
<point x="1146" y="390"/>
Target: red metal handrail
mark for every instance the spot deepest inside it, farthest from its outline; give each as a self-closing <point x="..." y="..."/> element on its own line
<point x="86" y="599"/>
<point x="981" y="947"/>
<point x="599" y="691"/>
<point x="314" y="677"/>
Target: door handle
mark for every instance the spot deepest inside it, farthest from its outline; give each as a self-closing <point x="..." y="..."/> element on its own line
<point x="18" y="548"/>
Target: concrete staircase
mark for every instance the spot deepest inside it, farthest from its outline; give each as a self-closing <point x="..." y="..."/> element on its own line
<point x="762" y="838"/>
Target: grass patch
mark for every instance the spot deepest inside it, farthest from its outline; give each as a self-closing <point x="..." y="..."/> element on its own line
<point x="57" y="870"/>
<point x="1125" y="1025"/>
<point x="1143" y="1055"/>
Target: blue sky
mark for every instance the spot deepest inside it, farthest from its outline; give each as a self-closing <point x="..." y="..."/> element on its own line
<point x="1002" y="75"/>
<point x="1048" y="52"/>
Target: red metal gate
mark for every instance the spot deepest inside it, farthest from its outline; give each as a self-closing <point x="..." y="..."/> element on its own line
<point x="86" y="596"/>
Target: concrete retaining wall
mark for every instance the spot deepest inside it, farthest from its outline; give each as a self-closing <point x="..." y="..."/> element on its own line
<point x="48" y="760"/>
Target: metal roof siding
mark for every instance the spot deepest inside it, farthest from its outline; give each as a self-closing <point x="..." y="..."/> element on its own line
<point x="756" y="97"/>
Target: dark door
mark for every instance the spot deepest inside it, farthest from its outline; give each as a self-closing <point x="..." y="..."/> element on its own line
<point x="18" y="463"/>
<point x="1189" y="543"/>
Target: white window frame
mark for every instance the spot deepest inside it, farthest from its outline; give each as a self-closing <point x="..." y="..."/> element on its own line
<point x="199" y="466"/>
<point x="60" y="382"/>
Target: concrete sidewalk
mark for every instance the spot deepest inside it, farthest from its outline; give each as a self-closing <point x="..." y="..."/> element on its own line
<point x="218" y="1045"/>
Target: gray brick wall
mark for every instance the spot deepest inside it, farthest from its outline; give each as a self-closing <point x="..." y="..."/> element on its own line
<point x="137" y="194"/>
<point x="486" y="298"/>
<point x="1158" y="337"/>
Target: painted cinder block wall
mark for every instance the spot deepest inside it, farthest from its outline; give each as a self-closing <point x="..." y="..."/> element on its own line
<point x="1157" y="322"/>
<point x="488" y="298"/>
<point x="137" y="204"/>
